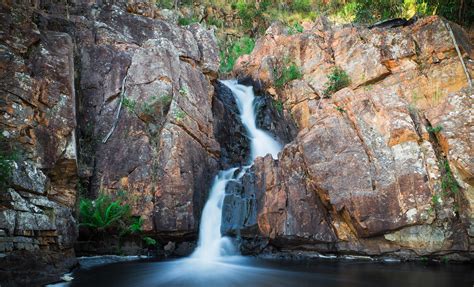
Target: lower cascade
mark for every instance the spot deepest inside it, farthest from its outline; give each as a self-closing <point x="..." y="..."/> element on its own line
<point x="212" y="244"/>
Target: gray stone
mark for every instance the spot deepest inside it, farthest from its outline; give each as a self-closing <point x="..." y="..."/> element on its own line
<point x="7" y="220"/>
<point x="27" y="177"/>
<point x="34" y="221"/>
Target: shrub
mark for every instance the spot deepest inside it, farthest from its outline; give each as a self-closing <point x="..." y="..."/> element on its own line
<point x="104" y="213"/>
<point x="340" y="109"/>
<point x="179" y="115"/>
<point x="238" y="48"/>
<point x="434" y="130"/>
<point x="278" y="104"/>
<point x="448" y="182"/>
<point x="167" y="4"/>
<point x="215" y="22"/>
<point x="185" y="21"/>
<point x="248" y="12"/>
<point x="129" y="104"/>
<point x="136" y="226"/>
<point x="300" y="5"/>
<point x="337" y="80"/>
<point x="296" y="28"/>
<point x="286" y="74"/>
<point x="149" y="241"/>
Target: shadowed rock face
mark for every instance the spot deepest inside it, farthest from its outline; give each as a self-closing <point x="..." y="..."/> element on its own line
<point x="38" y="122"/>
<point x="363" y="173"/>
<point x="67" y="81"/>
<point x="228" y="129"/>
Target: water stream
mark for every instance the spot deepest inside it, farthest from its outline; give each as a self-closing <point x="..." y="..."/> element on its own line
<point x="212" y="245"/>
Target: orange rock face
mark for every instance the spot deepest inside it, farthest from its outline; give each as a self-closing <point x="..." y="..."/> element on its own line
<point x="366" y="169"/>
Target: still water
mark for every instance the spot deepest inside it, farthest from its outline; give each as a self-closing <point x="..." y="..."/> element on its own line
<point x="248" y="271"/>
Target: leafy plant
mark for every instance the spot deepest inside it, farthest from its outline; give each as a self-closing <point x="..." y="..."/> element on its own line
<point x="435" y="199"/>
<point x="296" y="28"/>
<point x="215" y="22"/>
<point x="136" y="226"/>
<point x="300" y="5"/>
<point x="238" y="48"/>
<point x="448" y="182"/>
<point x="129" y="104"/>
<point x="286" y="74"/>
<point x="185" y="21"/>
<point x="184" y="91"/>
<point x="149" y="241"/>
<point x="340" y="109"/>
<point x="104" y="213"/>
<point x="434" y="130"/>
<point x="179" y="115"/>
<point x="278" y="104"/>
<point x="337" y="80"/>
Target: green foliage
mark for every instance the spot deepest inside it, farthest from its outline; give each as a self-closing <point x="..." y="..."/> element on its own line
<point x="249" y="12"/>
<point x="435" y="199"/>
<point x="7" y="159"/>
<point x="296" y="28"/>
<point x="278" y="104"/>
<point x="179" y="115"/>
<point x="238" y="48"/>
<point x="166" y="4"/>
<point x="434" y="130"/>
<point x="448" y="182"/>
<point x="215" y="22"/>
<point x="149" y="241"/>
<point x="300" y="5"/>
<point x="129" y="104"/>
<point x="104" y="213"/>
<point x="165" y="100"/>
<point x="185" y="21"/>
<point x="337" y="80"/>
<point x="147" y="109"/>
<point x="136" y="226"/>
<point x="184" y="91"/>
<point x="286" y="74"/>
<point x="340" y="109"/>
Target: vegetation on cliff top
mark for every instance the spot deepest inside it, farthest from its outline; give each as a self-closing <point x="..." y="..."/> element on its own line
<point x="252" y="17"/>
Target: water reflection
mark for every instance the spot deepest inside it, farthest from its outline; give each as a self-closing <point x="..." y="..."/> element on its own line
<point x="247" y="271"/>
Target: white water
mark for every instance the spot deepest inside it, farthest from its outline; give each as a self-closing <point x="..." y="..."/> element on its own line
<point x="212" y="245"/>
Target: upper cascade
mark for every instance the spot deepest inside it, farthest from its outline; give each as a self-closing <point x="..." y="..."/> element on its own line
<point x="212" y="244"/>
<point x="261" y="142"/>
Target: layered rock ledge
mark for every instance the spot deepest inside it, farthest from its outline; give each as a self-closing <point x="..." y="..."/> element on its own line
<point x="367" y="172"/>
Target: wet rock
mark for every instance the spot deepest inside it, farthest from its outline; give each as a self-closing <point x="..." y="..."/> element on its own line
<point x="270" y="117"/>
<point x="169" y="248"/>
<point x="184" y="249"/>
<point x="228" y="129"/>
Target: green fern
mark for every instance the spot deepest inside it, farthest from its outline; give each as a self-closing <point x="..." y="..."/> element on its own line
<point x="104" y="213"/>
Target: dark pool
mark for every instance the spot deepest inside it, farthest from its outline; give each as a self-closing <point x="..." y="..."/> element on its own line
<point x="244" y="271"/>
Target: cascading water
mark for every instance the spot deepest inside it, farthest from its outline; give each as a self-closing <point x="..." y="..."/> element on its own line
<point x="212" y="244"/>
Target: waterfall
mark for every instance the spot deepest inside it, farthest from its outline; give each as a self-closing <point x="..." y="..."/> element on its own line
<point x="212" y="244"/>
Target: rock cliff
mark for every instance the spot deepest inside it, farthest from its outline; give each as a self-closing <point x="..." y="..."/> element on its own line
<point x="382" y="166"/>
<point x="95" y="99"/>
